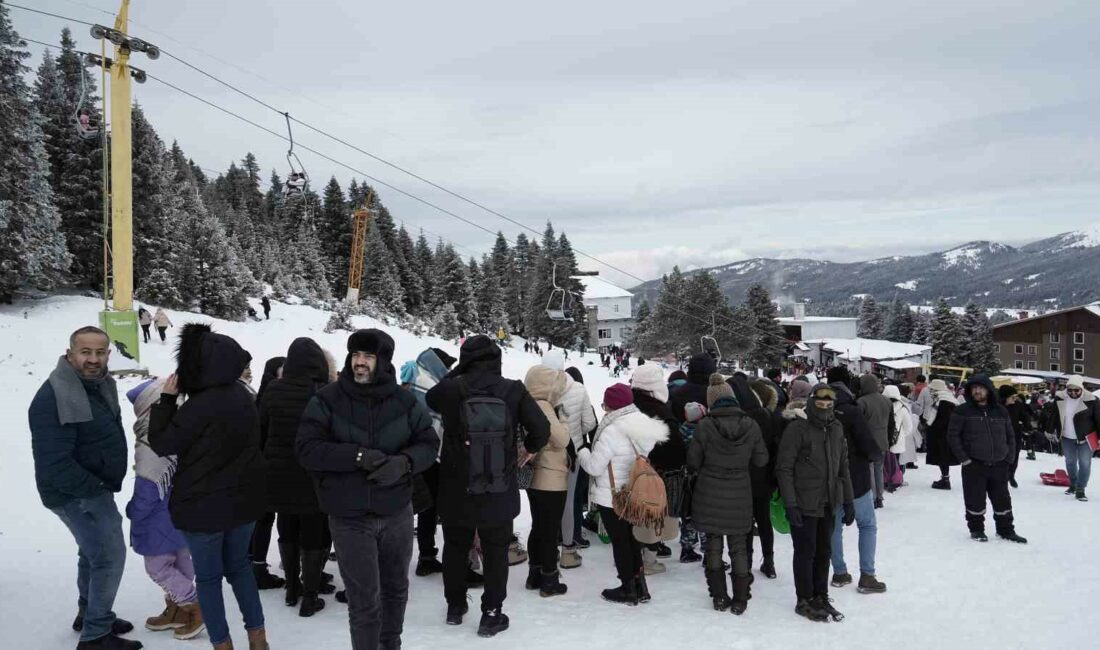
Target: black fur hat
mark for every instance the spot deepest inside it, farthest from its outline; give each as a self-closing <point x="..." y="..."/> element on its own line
<point x="205" y="359"/>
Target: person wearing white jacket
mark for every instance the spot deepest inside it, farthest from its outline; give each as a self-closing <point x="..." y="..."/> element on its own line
<point x="908" y="436"/>
<point x="624" y="434"/>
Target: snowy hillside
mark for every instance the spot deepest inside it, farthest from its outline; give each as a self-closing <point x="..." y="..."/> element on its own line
<point x="944" y="590"/>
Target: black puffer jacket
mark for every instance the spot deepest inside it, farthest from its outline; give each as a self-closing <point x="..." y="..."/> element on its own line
<point x="812" y="468"/>
<point x="862" y="448"/>
<point x="479" y="364"/>
<point x="220" y="481"/>
<point x="670" y="455"/>
<point x="981" y="434"/>
<point x="700" y="368"/>
<point x="763" y="478"/>
<point x="284" y="400"/>
<point x="726" y="444"/>
<point x="344" y="417"/>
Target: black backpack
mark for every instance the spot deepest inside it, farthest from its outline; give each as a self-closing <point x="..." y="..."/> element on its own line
<point x="490" y="451"/>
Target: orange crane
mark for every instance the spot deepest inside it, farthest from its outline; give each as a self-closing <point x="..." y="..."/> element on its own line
<point x="360" y="219"/>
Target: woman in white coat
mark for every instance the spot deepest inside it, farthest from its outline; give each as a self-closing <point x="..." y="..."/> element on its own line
<point x="905" y="449"/>
<point x="623" y="434"/>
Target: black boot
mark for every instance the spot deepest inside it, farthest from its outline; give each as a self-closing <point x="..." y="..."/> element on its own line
<point x="264" y="578"/>
<point x="551" y="585"/>
<point x="716" y="585"/>
<point x="119" y="627"/>
<point x="534" y="577"/>
<point x="767" y="567"/>
<point x="1011" y="536"/>
<point x="312" y="563"/>
<point x="641" y="587"/>
<point x="810" y="610"/>
<point x="493" y="622"/>
<point x="943" y="484"/>
<point x="740" y="594"/>
<point x="688" y="554"/>
<point x="426" y="566"/>
<point x="291" y="555"/>
<point x="625" y="594"/>
<point x="109" y="642"/>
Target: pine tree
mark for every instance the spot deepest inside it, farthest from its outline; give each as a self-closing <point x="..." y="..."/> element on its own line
<point x="380" y="283"/>
<point x="425" y="267"/>
<point x="981" y="354"/>
<point x="948" y="340"/>
<point x="900" y="327"/>
<point x="453" y="286"/>
<point x="32" y="246"/>
<point x="152" y="192"/>
<point x="445" y="322"/>
<point x="412" y="283"/>
<point x="871" y="324"/>
<point x="519" y="282"/>
<point x="768" y="348"/>
<point x="490" y="300"/>
<point x="922" y="329"/>
<point x="665" y="330"/>
<point x="334" y="229"/>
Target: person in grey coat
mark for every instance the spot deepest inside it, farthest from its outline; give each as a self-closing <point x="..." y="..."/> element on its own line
<point x="876" y="410"/>
<point x="724" y="444"/>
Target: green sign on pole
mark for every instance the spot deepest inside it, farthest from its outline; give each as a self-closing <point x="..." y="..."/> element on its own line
<point x="122" y="327"/>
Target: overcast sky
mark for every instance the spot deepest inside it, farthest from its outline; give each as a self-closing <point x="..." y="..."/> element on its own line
<point x="655" y="133"/>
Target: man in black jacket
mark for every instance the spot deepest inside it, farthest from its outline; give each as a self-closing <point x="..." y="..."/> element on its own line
<point x="981" y="437"/>
<point x="363" y="438"/>
<point x="700" y="368"/>
<point x="488" y="514"/>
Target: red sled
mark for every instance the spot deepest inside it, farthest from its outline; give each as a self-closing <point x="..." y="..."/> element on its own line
<point x="1058" y="478"/>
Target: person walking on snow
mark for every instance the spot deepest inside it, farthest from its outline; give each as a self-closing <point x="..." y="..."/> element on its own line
<point x="981" y="437"/>
<point x="1078" y="416"/>
<point x="167" y="560"/>
<point x="145" y="319"/>
<point x="266" y="304"/>
<point x="79" y="449"/>
<point x="162" y="323"/>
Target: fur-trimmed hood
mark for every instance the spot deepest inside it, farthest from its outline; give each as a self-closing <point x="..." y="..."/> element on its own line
<point x="766" y="393"/>
<point x="645" y="432"/>
<point x="795" y="410"/>
<point x="205" y="359"/>
<point x="546" y="384"/>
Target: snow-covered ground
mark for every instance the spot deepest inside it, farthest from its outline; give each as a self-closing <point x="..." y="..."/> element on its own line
<point x="944" y="590"/>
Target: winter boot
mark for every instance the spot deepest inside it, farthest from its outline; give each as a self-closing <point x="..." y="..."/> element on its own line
<point x="878" y="503"/>
<point x="825" y="604"/>
<point x="650" y="563"/>
<point x="581" y="541"/>
<point x="534" y="577"/>
<point x="688" y="554"/>
<point x="642" y="588"/>
<point x="456" y="612"/>
<point x="291" y="555"/>
<point x="426" y="566"/>
<point x="312" y="562"/>
<point x="119" y="627"/>
<point x="1030" y="455"/>
<point x="740" y="594"/>
<point x="493" y="622"/>
<point x="264" y="578"/>
<point x="767" y="567"/>
<point x="624" y="594"/>
<point x="551" y="585"/>
<point x="1011" y="536"/>
<point x="110" y="642"/>
<point x="662" y="550"/>
<point x="841" y="580"/>
<point x="473" y="578"/>
<point x="257" y="639"/>
<point x="978" y="536"/>
<point x="943" y="484"/>
<point x="570" y="557"/>
<point x="225" y="645"/>
<point x="193" y="625"/>
<point x="516" y="555"/>
<point x="719" y="592"/>
<point x="910" y="466"/>
<point x="1071" y="490"/>
<point x="810" y="610"/>
<point x="869" y="585"/>
<point x="1012" y="482"/>
<point x="1081" y="495"/>
<point x="166" y="620"/>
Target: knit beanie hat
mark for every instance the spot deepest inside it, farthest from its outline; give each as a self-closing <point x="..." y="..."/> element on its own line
<point x="617" y="396"/>
<point x="1076" y="381"/>
<point x="694" y="411"/>
<point x="554" y="359"/>
<point x="1006" y="391"/>
<point x="652" y="380"/>
<point x="800" y="389"/>
<point x="718" y="389"/>
<point x="938" y="385"/>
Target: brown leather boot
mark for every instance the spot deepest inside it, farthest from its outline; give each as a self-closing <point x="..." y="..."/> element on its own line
<point x="257" y="640"/>
<point x="193" y="623"/>
<point x="167" y="620"/>
<point x="225" y="645"/>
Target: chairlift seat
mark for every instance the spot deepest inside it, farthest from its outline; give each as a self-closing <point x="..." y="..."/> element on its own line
<point x="557" y="315"/>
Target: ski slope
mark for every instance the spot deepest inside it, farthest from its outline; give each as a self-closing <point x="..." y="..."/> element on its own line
<point x="945" y="591"/>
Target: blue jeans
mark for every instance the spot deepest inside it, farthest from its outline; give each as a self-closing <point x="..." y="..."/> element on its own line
<point x="225" y="554"/>
<point x="868" y="535"/>
<point x="96" y="526"/>
<point x="1078" y="462"/>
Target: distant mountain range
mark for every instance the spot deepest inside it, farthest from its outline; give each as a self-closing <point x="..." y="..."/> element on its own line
<point x="1060" y="271"/>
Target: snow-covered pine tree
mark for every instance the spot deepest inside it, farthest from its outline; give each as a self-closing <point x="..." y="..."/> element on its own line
<point x="340" y="318"/>
<point x="381" y="218"/>
<point x="947" y="338"/>
<point x="981" y="354"/>
<point x="445" y="322"/>
<point x="768" y="339"/>
<point x="380" y="283"/>
<point x="900" y="325"/>
<point x="425" y="268"/>
<point x="453" y="284"/>
<point x="357" y="194"/>
<point x="567" y="278"/>
<point x="32" y="246"/>
<point x="152" y="190"/>
<point x="412" y="283"/>
<point x="519" y="282"/>
<point x="871" y="324"/>
<point x="490" y="299"/>
<point x="666" y="327"/>
<point x="307" y="250"/>
<point x="922" y="329"/>
<point x="334" y="230"/>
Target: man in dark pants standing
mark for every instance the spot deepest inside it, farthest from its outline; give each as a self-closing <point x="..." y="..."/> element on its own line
<point x="981" y="436"/>
<point x="466" y="508"/>
<point x="362" y="438"/>
<point x="266" y="304"/>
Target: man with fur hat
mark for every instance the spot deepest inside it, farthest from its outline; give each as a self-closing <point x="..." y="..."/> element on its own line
<point x="363" y="438"/>
<point x="79" y="449"/>
<point x="477" y="497"/>
<point x="1078" y="416"/>
<point x="981" y="437"/>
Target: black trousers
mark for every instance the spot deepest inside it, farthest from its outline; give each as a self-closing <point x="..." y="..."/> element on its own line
<point x="145" y="332"/>
<point x="261" y="538"/>
<point x="310" y="532"/>
<point x="428" y="520"/>
<point x="457" y="541"/>
<point x="812" y="551"/>
<point x="374" y="553"/>
<point x="161" y="331"/>
<point x="626" y="550"/>
<point x="739" y="554"/>
<point x="980" y="480"/>
<point x="542" y="544"/>
<point x="762" y="514"/>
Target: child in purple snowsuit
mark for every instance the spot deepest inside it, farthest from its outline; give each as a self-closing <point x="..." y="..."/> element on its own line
<point x="152" y="535"/>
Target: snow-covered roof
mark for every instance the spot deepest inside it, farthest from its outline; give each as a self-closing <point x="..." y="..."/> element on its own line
<point x="1092" y="308"/>
<point x="872" y="348"/>
<point x="790" y="320"/>
<point x="596" y="287"/>
<point x="900" y="364"/>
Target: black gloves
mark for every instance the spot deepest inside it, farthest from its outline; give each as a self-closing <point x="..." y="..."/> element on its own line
<point x="794" y="516"/>
<point x="391" y="470"/>
<point x="849" y="513"/>
<point x="369" y="459"/>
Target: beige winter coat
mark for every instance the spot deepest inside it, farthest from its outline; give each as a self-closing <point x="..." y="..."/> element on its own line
<point x="547" y="386"/>
<point x="161" y="319"/>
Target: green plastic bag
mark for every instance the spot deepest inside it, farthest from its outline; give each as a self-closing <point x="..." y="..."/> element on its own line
<point x="779" y="515"/>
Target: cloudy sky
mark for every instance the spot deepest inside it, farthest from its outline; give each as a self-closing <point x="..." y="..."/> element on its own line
<point x="656" y="133"/>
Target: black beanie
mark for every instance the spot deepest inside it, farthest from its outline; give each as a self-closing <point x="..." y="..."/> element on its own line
<point x="838" y="374"/>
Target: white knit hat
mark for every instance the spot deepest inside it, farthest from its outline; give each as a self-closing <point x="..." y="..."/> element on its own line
<point x="554" y="359"/>
<point x="650" y="378"/>
<point x="1076" y="381"/>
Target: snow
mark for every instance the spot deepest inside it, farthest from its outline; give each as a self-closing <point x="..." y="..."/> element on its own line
<point x="596" y="287"/>
<point x="908" y="285"/>
<point x="1032" y="276"/>
<point x="1089" y="237"/>
<point x="1007" y="281"/>
<point x="966" y="255"/>
<point x="944" y="590"/>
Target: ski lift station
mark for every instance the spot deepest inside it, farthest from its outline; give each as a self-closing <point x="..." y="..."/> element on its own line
<point x="801" y="327"/>
<point x="610" y="312"/>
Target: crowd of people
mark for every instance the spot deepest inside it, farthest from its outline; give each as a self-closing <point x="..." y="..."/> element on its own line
<point x="364" y="459"/>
